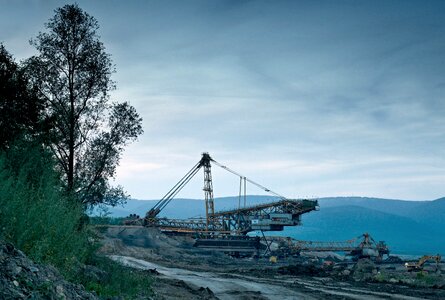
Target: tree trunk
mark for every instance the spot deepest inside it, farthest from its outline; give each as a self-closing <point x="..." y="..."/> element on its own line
<point x="72" y="128"/>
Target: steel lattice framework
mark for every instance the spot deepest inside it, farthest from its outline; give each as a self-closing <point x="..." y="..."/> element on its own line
<point x="271" y="216"/>
<point x="267" y="217"/>
<point x="360" y="245"/>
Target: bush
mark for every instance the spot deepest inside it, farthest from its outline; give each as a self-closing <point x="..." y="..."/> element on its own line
<point x="425" y="279"/>
<point x="120" y="281"/>
<point x="49" y="226"/>
<point x="35" y="215"/>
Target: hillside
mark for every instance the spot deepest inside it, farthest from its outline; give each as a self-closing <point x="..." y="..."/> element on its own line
<point x="21" y="278"/>
<point x="404" y="235"/>
<point x="397" y="207"/>
<point x="409" y="227"/>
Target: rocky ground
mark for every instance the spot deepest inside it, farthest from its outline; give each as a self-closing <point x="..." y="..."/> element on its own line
<point x="20" y="278"/>
<point x="185" y="272"/>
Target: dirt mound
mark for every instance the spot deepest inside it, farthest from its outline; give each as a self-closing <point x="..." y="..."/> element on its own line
<point x="20" y="278"/>
<point x="300" y="269"/>
<point x="173" y="289"/>
<point x="153" y="245"/>
<point x="364" y="270"/>
<point x="145" y="237"/>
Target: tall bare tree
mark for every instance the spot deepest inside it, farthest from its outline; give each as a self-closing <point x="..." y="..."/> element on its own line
<point x="73" y="75"/>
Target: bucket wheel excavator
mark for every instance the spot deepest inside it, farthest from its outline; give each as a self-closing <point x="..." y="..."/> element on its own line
<point x="272" y="216"/>
<point x="363" y="246"/>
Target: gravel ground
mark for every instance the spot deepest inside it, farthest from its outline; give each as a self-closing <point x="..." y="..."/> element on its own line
<point x="184" y="270"/>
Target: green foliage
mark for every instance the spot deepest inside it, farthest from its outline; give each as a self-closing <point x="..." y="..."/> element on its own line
<point x="72" y="72"/>
<point x="35" y="215"/>
<point x="425" y="279"/>
<point x="60" y="142"/>
<point x="20" y="109"/>
<point x="47" y="225"/>
<point x="381" y="277"/>
<point x="36" y="290"/>
<point x="103" y="216"/>
<point x="121" y="281"/>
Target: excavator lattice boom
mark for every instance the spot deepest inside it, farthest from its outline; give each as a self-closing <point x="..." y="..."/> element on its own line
<point x="271" y="216"/>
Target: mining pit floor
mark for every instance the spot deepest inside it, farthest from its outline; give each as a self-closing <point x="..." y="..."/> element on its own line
<point x="181" y="271"/>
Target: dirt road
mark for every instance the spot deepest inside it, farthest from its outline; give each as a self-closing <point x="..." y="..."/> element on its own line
<point x="232" y="286"/>
<point x="223" y="288"/>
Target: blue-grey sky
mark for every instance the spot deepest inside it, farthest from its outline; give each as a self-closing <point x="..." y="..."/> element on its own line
<point x="309" y="98"/>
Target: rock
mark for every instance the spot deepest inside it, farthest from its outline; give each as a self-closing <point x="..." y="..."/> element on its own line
<point x="153" y="271"/>
<point x="323" y="280"/>
<point x="17" y="270"/>
<point x="206" y="290"/>
<point x="346" y="272"/>
<point x="393" y="280"/>
<point x="60" y="292"/>
<point x="33" y="269"/>
<point x="9" y="248"/>
<point x="20" y="278"/>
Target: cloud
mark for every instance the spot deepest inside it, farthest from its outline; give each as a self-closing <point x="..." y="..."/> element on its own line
<point x="305" y="98"/>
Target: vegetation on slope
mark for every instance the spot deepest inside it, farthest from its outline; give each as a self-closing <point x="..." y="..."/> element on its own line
<point x="60" y="143"/>
<point x="49" y="226"/>
<point x="34" y="215"/>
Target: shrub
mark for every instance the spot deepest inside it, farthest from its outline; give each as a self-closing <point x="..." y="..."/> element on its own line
<point x="35" y="215"/>
<point x="120" y="281"/>
<point x="49" y="226"/>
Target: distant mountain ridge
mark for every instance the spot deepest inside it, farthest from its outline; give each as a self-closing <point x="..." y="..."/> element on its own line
<point x="409" y="227"/>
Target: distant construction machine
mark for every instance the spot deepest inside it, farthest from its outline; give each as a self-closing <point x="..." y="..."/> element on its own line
<point x="227" y="230"/>
<point x="239" y="221"/>
<point x="364" y="246"/>
<point x="418" y="266"/>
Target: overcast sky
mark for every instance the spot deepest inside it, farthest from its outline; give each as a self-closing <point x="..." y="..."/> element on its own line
<point x="309" y="98"/>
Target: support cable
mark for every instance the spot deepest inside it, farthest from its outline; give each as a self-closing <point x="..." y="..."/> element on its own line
<point x="179" y="188"/>
<point x="250" y="181"/>
<point x="239" y="200"/>
<point x="205" y="162"/>
<point x="267" y="244"/>
<point x="245" y="192"/>
<point x="173" y="191"/>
